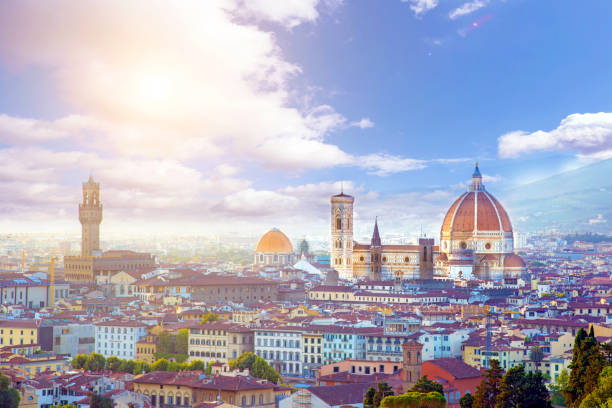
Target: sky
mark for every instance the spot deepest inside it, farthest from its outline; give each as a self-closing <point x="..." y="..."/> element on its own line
<point x="236" y="116"/>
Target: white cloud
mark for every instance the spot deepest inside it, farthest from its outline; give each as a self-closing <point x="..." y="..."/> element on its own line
<point x="467" y="8"/>
<point x="385" y="164"/>
<point x="420" y="7"/>
<point x="598" y="220"/>
<point x="587" y="134"/>
<point x="364" y="123"/>
<point x="290" y="13"/>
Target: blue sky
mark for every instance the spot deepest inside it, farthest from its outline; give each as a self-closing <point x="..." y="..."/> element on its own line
<point x="234" y="116"/>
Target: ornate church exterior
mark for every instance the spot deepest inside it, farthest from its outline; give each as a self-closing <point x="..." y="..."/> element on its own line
<point x="476" y="242"/>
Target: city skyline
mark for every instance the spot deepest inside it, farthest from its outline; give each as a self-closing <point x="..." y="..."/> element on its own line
<point x="301" y="99"/>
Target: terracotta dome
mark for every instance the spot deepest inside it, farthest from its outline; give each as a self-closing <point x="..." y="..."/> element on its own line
<point x="476" y="210"/>
<point x="274" y="241"/>
<point x="514" y="261"/>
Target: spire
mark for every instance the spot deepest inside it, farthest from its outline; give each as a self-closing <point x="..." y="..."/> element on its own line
<point x="376" y="236"/>
<point x="476" y="184"/>
<point x="476" y="172"/>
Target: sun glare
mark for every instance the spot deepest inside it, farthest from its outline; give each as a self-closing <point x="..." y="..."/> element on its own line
<point x="153" y="89"/>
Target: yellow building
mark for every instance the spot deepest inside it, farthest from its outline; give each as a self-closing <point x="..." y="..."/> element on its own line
<point x="191" y="388"/>
<point x="313" y="351"/>
<point x="219" y="342"/>
<point x="18" y="332"/>
<point x="146" y="349"/>
<point x="35" y="363"/>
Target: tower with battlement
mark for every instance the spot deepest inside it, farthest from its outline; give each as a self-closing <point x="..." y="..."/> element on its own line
<point x="90" y="216"/>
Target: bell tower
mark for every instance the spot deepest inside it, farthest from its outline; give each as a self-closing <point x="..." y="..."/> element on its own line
<point x="411" y="364"/>
<point x="341" y="254"/>
<point x="90" y="216"/>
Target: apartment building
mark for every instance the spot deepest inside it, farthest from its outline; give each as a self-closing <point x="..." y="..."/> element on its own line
<point x="219" y="342"/>
<point x="118" y="338"/>
<point x="281" y="347"/>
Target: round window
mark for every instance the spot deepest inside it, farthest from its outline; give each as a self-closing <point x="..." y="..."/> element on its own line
<point x="463" y="245"/>
<point x="384" y="259"/>
<point x="361" y="258"/>
<point x="488" y="245"/>
<point x="407" y="259"/>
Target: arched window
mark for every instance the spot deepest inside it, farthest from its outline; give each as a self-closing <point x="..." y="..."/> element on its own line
<point x="424" y="253"/>
<point x="244" y="401"/>
<point x="338" y="222"/>
<point x="261" y="399"/>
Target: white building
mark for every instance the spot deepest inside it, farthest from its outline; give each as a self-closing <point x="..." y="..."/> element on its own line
<point x="118" y="338"/>
<point x="281" y="347"/>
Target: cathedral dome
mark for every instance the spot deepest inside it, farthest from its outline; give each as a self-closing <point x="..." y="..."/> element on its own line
<point x="274" y="241"/>
<point x="476" y="210"/>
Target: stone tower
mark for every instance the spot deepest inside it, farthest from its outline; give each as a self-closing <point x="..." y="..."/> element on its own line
<point x="90" y="216"/>
<point x="411" y="364"/>
<point x="341" y="257"/>
<point x="426" y="258"/>
<point x="376" y="254"/>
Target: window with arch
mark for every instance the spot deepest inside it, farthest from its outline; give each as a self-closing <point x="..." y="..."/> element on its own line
<point x="244" y="401"/>
<point x="425" y="253"/>
<point x="261" y="399"/>
<point x="338" y="222"/>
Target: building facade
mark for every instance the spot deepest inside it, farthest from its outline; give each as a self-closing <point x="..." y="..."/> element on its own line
<point x="476" y="242"/>
<point x="118" y="338"/>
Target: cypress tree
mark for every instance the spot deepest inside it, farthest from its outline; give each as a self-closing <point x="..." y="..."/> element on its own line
<point x="488" y="390"/>
<point x="586" y="366"/>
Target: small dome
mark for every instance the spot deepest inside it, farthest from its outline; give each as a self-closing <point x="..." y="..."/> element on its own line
<point x="514" y="261"/>
<point x="442" y="257"/>
<point x="274" y="241"/>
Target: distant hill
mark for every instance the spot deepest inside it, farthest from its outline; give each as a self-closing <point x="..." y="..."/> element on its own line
<point x="575" y="200"/>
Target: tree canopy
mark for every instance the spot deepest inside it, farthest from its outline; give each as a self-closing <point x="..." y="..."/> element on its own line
<point x="586" y="365"/>
<point x="415" y="400"/>
<point x="9" y="397"/>
<point x="426" y="385"/>
<point x="488" y="390"/>
<point x="258" y="367"/>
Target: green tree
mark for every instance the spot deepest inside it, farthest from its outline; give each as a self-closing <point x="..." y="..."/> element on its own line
<point x="196" y="365"/>
<point x="426" y="385"/>
<point x="602" y="395"/>
<point x="114" y="364"/>
<point x="9" y="397"/>
<point x="209" y="317"/>
<point x="258" y="367"/>
<point x="165" y="344"/>
<point x="488" y="390"/>
<point x="182" y="341"/>
<point x="415" y="400"/>
<point x="586" y="366"/>
<point x="556" y="394"/>
<point x="127" y="366"/>
<point x="522" y="390"/>
<point x="536" y="354"/>
<point x="536" y="393"/>
<point x="368" y="398"/>
<point x="78" y="362"/>
<point x="382" y="390"/>
<point x="160" y="365"/>
<point x="466" y="401"/>
<point x="99" y="401"/>
<point x="95" y="362"/>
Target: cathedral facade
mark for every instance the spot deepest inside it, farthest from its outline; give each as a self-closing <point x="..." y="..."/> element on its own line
<point x="476" y="242"/>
